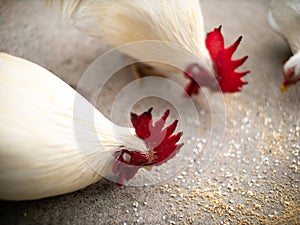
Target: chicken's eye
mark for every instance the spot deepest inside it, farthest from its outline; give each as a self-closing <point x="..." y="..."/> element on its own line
<point x="126" y="157"/>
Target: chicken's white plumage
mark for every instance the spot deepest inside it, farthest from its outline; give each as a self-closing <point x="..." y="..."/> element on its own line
<point x="122" y="22"/>
<point x="50" y="145"/>
<point x="284" y="17"/>
<point x="168" y="35"/>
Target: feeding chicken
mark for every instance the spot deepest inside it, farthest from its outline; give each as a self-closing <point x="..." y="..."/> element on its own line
<point x="53" y="141"/>
<point x="284" y="17"/>
<point x="175" y="21"/>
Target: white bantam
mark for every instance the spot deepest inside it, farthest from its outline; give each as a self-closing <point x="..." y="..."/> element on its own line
<point x="170" y="22"/>
<point x="53" y="141"/>
<point x="284" y="17"/>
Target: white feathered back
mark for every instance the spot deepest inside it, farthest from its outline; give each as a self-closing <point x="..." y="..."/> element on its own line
<point x="284" y="16"/>
<point x="40" y="153"/>
<point x="121" y="22"/>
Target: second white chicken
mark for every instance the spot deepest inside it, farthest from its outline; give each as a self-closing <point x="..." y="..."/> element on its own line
<point x="206" y="61"/>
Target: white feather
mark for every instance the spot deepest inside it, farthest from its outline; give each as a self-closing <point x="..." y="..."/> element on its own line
<point x="50" y="145"/>
<point x="121" y="22"/>
<point x="286" y="16"/>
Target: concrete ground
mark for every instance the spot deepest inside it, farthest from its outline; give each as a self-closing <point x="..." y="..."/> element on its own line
<point x="254" y="178"/>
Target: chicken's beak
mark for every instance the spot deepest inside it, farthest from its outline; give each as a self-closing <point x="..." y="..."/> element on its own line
<point x="149" y="168"/>
<point x="283" y="87"/>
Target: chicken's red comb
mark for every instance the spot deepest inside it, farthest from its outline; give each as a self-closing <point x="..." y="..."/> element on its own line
<point x="162" y="144"/>
<point x="160" y="140"/>
<point x="229" y="80"/>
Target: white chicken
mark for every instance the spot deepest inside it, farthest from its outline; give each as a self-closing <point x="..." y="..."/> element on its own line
<point x="178" y="22"/>
<point x="53" y="141"/>
<point x="284" y="17"/>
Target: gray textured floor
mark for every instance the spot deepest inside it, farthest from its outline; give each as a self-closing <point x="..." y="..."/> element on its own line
<point x="255" y="176"/>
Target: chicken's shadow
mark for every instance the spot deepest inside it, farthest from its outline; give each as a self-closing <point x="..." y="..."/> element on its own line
<point x="58" y="206"/>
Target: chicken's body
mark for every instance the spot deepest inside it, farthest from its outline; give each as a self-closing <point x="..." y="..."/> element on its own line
<point x="284" y="17"/>
<point x="171" y="23"/>
<point x="53" y="141"/>
<point x="127" y="21"/>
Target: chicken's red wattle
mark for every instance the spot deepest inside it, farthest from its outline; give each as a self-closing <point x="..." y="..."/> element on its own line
<point x="228" y="79"/>
<point x="161" y="142"/>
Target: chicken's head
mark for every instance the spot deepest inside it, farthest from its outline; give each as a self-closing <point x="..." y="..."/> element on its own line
<point x="160" y="141"/>
<point x="224" y="67"/>
<point x="291" y="71"/>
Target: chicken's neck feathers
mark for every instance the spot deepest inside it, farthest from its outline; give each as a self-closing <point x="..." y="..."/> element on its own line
<point x="284" y="16"/>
